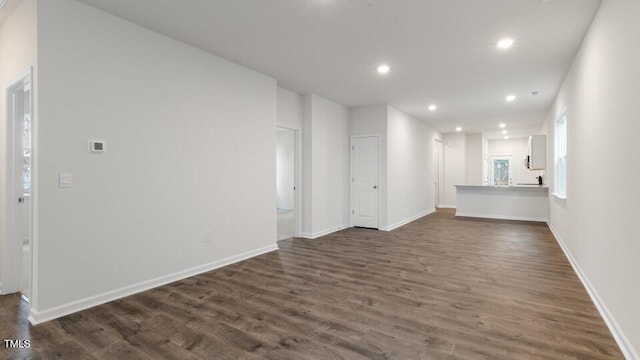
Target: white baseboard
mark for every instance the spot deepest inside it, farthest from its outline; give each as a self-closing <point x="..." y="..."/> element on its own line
<point x="443" y="206"/>
<point x="406" y="221"/>
<point x="501" y="217"/>
<point x="37" y="317"/>
<point x="621" y="339"/>
<point x="322" y="233"/>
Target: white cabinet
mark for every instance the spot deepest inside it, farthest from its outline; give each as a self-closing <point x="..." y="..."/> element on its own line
<point x="537" y="152"/>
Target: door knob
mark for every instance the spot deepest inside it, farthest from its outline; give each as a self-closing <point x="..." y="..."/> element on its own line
<point x="20" y="200"/>
<point x="375" y="186"/>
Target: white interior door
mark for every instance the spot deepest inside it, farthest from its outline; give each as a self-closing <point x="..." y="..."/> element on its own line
<point x="364" y="180"/>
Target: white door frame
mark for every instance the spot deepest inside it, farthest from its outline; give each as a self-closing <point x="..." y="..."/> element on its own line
<point x="11" y="267"/>
<point x="297" y="174"/>
<point x="351" y="176"/>
<point x="439" y="193"/>
<point x="436" y="180"/>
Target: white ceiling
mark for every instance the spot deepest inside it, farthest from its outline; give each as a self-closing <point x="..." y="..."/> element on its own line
<point x="440" y="51"/>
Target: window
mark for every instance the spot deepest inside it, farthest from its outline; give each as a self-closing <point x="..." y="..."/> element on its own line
<point x="26" y="145"/>
<point x="500" y="174"/>
<point x="560" y="157"/>
<point x="26" y="148"/>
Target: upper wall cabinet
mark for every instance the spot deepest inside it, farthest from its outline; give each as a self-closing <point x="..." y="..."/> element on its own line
<point x="537" y="152"/>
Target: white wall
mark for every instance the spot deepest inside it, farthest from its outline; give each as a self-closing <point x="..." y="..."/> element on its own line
<point x="410" y="168"/>
<point x="325" y="153"/>
<point x="18" y="52"/>
<point x="372" y="120"/>
<point x="406" y="173"/>
<point x="598" y="222"/>
<point x="285" y="145"/>
<point x="307" y="167"/>
<point x="474" y="159"/>
<point x="485" y="160"/>
<point x="190" y="150"/>
<point x="517" y="148"/>
<point x="368" y="120"/>
<point x="455" y="166"/>
<point x="289" y="109"/>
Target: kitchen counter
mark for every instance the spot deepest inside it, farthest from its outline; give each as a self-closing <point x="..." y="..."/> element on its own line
<point x="517" y="202"/>
<point x="510" y="187"/>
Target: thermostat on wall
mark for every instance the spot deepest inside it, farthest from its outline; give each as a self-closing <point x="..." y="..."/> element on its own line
<point x="96" y="146"/>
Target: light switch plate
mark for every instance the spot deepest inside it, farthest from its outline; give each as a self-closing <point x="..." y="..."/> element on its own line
<point x="65" y="180"/>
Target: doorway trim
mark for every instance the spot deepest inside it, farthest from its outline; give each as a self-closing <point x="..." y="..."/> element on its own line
<point x="438" y="169"/>
<point x="351" y="177"/>
<point x="297" y="177"/>
<point x="10" y="277"/>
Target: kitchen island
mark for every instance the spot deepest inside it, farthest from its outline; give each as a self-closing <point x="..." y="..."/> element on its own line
<point x="522" y="202"/>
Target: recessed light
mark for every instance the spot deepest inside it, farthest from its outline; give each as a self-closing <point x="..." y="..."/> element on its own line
<point x="510" y="98"/>
<point x="505" y="43"/>
<point x="433" y="108"/>
<point x="506" y="138"/>
<point x="383" y="69"/>
<point x="503" y="125"/>
<point x="504" y="132"/>
<point x="458" y="129"/>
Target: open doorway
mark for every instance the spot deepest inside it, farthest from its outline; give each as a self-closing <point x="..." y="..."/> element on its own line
<point x="15" y="260"/>
<point x="286" y="182"/>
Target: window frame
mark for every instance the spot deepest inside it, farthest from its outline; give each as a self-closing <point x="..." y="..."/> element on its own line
<point x="511" y="170"/>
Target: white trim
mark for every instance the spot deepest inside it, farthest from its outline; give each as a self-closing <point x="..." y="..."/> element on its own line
<point x="559" y="195"/>
<point x="621" y="339"/>
<point x="35" y="158"/>
<point x="365" y="135"/>
<point x="38" y="317"/>
<point x="322" y="233"/>
<point x="501" y="217"/>
<point x="406" y="221"/>
<point x="20" y="78"/>
<point x="12" y="271"/>
<point x="1" y="293"/>
<point x="442" y="206"/>
<point x="287" y="126"/>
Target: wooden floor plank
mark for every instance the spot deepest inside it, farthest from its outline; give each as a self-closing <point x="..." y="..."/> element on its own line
<point x="438" y="288"/>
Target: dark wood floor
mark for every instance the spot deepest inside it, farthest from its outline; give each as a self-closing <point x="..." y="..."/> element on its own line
<point x="438" y="288"/>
